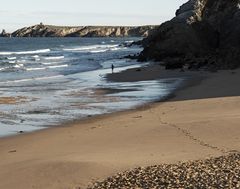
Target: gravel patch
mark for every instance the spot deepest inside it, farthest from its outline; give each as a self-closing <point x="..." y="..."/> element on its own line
<point x="221" y="172"/>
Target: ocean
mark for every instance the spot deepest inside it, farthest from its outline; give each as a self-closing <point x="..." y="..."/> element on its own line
<point x="45" y="82"/>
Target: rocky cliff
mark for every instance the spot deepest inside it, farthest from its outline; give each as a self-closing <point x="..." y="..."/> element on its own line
<point x="88" y="31"/>
<point x="204" y="33"/>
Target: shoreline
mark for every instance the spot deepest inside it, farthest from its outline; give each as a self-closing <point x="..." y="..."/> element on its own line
<point x="185" y="127"/>
<point x="114" y="77"/>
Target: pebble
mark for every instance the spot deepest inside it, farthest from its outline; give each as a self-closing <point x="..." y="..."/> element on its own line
<point x="221" y="172"/>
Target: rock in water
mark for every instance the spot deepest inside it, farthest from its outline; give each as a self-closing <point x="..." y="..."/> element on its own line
<point x="203" y="33"/>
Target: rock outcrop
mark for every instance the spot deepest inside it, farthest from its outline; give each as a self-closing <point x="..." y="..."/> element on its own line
<point x="204" y="33"/>
<point x="87" y="31"/>
<point x="4" y="34"/>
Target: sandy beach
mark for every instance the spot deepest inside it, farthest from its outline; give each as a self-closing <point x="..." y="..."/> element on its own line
<point x="200" y="121"/>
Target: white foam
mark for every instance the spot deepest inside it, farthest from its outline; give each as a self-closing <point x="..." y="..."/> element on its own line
<point x="11" y="58"/>
<point x="118" y="48"/>
<point x="60" y="66"/>
<point x="35" y="56"/>
<point x="26" y="52"/>
<point x="91" y="47"/>
<point x="32" y="79"/>
<point x="34" y="69"/>
<point x="48" y="67"/>
<point x="50" y="63"/>
<point x="21" y="61"/>
<point x="54" y="58"/>
<point x="129" y="41"/>
<point x="99" y="51"/>
<point x="18" y="66"/>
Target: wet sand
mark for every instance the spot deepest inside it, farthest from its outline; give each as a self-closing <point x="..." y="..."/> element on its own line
<point x="13" y="100"/>
<point x="199" y="122"/>
<point x="151" y="72"/>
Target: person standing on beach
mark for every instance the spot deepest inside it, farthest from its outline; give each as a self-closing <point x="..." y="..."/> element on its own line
<point x="112" y="68"/>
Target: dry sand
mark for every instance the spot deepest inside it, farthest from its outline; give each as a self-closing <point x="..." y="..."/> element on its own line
<point x="201" y="121"/>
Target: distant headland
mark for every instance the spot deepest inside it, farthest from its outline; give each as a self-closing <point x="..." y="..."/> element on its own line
<point x="42" y="30"/>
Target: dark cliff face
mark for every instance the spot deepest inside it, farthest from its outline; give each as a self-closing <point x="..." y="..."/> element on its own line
<point x="88" y="31"/>
<point x="203" y="33"/>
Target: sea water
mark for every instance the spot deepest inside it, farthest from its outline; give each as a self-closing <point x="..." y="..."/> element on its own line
<point x="48" y="81"/>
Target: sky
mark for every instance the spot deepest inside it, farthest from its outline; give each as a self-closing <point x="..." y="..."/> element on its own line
<point x="16" y="14"/>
